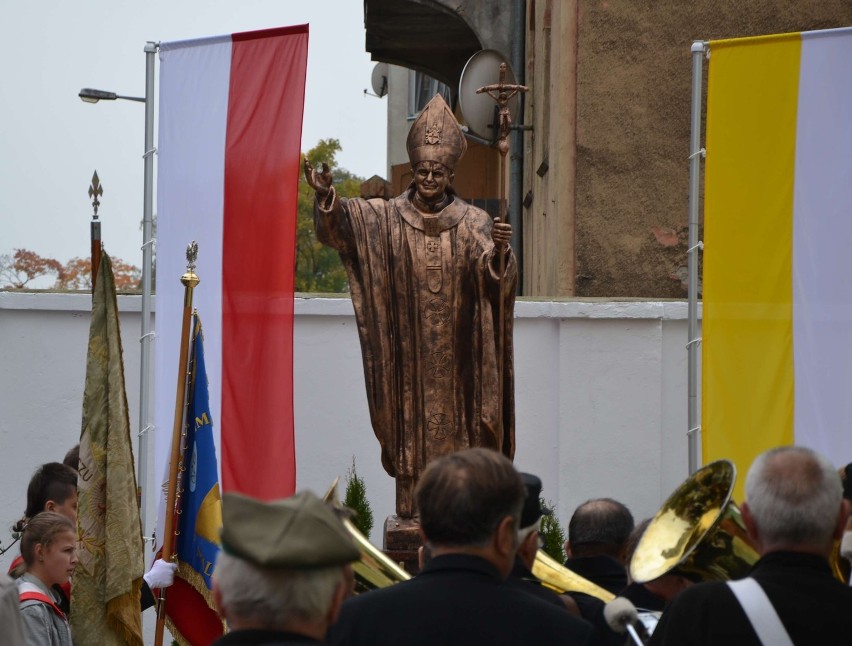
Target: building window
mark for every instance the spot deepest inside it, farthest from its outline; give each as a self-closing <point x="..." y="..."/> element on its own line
<point x="421" y="89"/>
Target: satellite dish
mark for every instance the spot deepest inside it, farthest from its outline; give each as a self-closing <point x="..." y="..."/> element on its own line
<point x="379" y="79"/>
<point x="479" y="110"/>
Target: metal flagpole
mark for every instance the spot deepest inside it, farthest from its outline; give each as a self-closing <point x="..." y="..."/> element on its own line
<point x="176" y="465"/>
<point x="696" y="154"/>
<point x="151" y="49"/>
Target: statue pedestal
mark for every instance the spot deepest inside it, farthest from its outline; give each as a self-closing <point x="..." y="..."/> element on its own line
<point x="401" y="542"/>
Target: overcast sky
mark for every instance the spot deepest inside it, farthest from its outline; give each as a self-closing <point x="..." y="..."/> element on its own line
<point x="51" y="142"/>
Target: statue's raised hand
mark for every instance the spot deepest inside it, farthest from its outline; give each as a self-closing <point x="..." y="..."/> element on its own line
<point x="320" y="181"/>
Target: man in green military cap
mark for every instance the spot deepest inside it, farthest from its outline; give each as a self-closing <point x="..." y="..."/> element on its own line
<point x="283" y="569"/>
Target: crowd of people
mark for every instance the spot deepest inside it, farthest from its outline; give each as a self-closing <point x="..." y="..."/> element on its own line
<point x="42" y="572"/>
<point x="284" y="575"/>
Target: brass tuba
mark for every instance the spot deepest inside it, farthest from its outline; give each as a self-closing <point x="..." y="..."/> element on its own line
<point x="699" y="530"/>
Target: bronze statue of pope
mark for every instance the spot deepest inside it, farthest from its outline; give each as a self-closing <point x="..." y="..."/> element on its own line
<point x="424" y="275"/>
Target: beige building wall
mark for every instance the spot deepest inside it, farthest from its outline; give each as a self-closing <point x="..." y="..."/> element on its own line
<point x="550" y="157"/>
<point x="633" y="79"/>
<point x="605" y="164"/>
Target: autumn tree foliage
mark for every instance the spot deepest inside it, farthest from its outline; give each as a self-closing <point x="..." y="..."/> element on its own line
<point x="22" y="267"/>
<point x="77" y="274"/>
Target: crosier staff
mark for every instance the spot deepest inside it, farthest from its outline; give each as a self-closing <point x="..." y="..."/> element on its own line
<point x="189" y="280"/>
<point x="502" y="93"/>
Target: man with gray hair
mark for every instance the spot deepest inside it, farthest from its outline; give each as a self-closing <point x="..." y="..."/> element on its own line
<point x="282" y="573"/>
<point x="470" y="509"/>
<point x="794" y="511"/>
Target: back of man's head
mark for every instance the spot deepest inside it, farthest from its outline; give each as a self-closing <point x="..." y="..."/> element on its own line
<point x="794" y="496"/>
<point x="53" y="481"/>
<point x="254" y="596"/>
<point x="600" y="526"/>
<point x="462" y="497"/>
<point x="282" y="563"/>
<point x="72" y="458"/>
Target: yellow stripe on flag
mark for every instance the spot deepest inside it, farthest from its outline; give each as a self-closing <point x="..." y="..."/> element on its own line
<point x="747" y="384"/>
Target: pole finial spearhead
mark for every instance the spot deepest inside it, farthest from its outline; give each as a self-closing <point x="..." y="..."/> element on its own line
<point x="191" y="255"/>
<point x="190" y="278"/>
<point x="95" y="192"/>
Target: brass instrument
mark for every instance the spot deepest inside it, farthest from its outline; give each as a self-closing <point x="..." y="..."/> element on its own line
<point x="374" y="569"/>
<point x="560" y="579"/>
<point x="840" y="566"/>
<point x="699" y="530"/>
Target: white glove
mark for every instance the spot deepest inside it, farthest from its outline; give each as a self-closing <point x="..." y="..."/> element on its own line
<point x="161" y="574"/>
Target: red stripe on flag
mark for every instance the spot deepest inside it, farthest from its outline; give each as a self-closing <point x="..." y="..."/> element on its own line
<point x="189" y="614"/>
<point x="262" y="154"/>
<point x="268" y="33"/>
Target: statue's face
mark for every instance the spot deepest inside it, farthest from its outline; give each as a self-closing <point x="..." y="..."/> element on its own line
<point x="431" y="180"/>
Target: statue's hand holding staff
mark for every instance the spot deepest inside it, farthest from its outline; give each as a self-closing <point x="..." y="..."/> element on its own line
<point x="320" y="181"/>
<point x="501" y="233"/>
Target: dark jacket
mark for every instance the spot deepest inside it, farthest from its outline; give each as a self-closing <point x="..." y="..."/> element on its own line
<point x="814" y="607"/>
<point x="602" y="570"/>
<point x="608" y="573"/>
<point x="262" y="638"/>
<point x="456" y="599"/>
<point x="523" y="579"/>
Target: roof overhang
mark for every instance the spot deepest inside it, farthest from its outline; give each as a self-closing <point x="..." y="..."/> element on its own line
<point x="420" y="35"/>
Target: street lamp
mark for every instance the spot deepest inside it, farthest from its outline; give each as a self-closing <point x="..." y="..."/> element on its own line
<point x="90" y="95"/>
<point x="93" y="96"/>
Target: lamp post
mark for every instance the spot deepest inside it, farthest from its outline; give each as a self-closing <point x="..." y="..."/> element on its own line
<point x="90" y="95"/>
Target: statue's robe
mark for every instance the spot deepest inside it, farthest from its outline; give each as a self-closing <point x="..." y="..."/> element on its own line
<point x="426" y="293"/>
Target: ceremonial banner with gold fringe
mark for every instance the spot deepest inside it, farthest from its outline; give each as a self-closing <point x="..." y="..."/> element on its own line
<point x="777" y="329"/>
<point x="108" y="578"/>
<point x="190" y="611"/>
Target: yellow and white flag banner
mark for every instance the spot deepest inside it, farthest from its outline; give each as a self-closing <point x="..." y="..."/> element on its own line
<point x="777" y="326"/>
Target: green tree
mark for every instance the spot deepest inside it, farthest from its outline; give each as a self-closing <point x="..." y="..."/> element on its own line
<point x="318" y="268"/>
<point x="552" y="534"/>
<point x="356" y="500"/>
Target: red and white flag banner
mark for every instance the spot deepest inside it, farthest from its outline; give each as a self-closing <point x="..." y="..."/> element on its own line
<point x="230" y="122"/>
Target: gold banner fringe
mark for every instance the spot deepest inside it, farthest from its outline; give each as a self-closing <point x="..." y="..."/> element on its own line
<point x="175" y="633"/>
<point x="120" y="613"/>
<point x="186" y="572"/>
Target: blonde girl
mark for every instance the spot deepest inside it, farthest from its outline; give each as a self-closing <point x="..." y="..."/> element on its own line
<point x="49" y="550"/>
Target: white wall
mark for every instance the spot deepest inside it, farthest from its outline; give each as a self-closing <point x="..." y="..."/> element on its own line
<point x="600" y="394"/>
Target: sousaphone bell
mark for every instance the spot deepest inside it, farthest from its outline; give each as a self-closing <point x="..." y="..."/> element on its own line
<point x="699" y="531"/>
